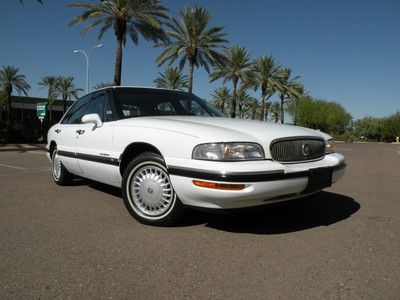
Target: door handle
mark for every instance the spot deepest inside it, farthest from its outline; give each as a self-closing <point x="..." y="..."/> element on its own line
<point x="57" y="130"/>
<point x="80" y="131"/>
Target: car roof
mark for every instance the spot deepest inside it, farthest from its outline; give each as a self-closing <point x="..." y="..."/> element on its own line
<point x="139" y="87"/>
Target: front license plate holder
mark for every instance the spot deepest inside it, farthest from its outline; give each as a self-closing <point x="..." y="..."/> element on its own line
<point x="318" y="179"/>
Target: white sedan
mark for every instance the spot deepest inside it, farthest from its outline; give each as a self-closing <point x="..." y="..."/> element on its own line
<point x="167" y="149"/>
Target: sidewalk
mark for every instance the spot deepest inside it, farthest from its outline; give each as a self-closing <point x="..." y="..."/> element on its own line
<point x="22" y="147"/>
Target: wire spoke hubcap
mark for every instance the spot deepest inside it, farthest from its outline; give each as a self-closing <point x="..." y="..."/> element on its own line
<point x="56" y="166"/>
<point x="151" y="191"/>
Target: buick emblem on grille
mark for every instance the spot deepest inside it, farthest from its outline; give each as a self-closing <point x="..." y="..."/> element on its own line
<point x="305" y="148"/>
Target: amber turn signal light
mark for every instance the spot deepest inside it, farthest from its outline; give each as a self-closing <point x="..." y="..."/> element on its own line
<point x="219" y="186"/>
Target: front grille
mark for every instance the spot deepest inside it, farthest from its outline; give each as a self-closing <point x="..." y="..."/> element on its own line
<point x="297" y="149"/>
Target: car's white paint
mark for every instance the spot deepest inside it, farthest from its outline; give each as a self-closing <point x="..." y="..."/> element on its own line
<point x="175" y="137"/>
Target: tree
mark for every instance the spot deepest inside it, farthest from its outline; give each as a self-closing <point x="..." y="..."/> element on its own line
<point x="327" y="116"/>
<point x="220" y="97"/>
<point x="49" y="82"/>
<point x="102" y="85"/>
<point x="65" y="88"/>
<point x="125" y="17"/>
<point x="369" y="128"/>
<point x="288" y="89"/>
<point x="264" y="76"/>
<point x="253" y="108"/>
<point x="275" y="110"/>
<point x="11" y="80"/>
<point x="242" y="100"/>
<point x="192" y="40"/>
<point x="391" y="127"/>
<point x="172" y="78"/>
<point x="236" y="67"/>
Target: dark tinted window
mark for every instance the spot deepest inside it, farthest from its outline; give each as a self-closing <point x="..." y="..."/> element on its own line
<point x="77" y="111"/>
<point x="108" y="113"/>
<point x="137" y="102"/>
<point x="99" y="104"/>
<point x="96" y="106"/>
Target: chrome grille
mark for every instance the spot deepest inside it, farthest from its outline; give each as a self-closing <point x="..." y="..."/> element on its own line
<point x="297" y="149"/>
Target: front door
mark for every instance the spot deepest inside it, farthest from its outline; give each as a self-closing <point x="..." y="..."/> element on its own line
<point x="67" y="134"/>
<point x="95" y="151"/>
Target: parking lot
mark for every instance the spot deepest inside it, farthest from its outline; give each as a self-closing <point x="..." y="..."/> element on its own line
<point x="80" y="242"/>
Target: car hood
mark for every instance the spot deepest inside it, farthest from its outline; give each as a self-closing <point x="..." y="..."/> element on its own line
<point x="211" y="129"/>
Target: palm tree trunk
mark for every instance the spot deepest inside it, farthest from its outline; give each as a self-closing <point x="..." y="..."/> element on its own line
<point x="233" y="106"/>
<point x="266" y="110"/>
<point x="262" y="116"/>
<point x="191" y="67"/>
<point x="253" y="112"/>
<point x="282" y="109"/>
<point x="64" y="104"/>
<point x="118" y="61"/>
<point x="8" y="92"/>
<point x="51" y="112"/>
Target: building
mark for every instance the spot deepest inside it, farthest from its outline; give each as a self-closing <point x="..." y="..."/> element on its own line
<point x="26" y="126"/>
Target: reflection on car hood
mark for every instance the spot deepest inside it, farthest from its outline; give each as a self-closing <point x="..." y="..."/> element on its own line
<point x="211" y="129"/>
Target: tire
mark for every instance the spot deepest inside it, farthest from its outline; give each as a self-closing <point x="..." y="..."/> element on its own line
<point x="148" y="193"/>
<point x="61" y="175"/>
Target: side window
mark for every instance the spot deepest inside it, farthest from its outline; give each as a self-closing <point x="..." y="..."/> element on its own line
<point x="108" y="113"/>
<point x="96" y="106"/>
<point x="101" y="105"/>
<point x="76" y="113"/>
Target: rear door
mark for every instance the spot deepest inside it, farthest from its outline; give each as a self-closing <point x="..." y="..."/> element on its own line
<point x="96" y="156"/>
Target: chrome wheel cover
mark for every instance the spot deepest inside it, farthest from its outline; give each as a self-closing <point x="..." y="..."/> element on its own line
<point x="151" y="191"/>
<point x="56" y="166"/>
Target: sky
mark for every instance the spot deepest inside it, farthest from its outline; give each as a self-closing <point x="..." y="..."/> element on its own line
<point x="343" y="50"/>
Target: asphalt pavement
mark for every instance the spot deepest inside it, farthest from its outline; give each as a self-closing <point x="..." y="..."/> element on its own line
<point x="80" y="242"/>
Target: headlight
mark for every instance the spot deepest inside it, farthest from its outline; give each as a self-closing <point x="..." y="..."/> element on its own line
<point x="329" y="147"/>
<point x="228" y="151"/>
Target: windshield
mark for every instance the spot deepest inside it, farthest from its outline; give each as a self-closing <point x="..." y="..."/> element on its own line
<point x="148" y="102"/>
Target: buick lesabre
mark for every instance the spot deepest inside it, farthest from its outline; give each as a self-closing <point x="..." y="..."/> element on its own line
<point x="168" y="149"/>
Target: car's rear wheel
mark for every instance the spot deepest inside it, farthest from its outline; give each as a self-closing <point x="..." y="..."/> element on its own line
<point x="61" y="175"/>
<point x="148" y="193"/>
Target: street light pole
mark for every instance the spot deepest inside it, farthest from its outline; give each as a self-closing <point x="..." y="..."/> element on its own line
<point x="87" y="63"/>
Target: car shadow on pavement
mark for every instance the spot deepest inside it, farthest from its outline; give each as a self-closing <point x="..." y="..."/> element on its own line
<point x="323" y="209"/>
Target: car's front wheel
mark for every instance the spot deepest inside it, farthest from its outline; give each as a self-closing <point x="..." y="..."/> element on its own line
<point x="60" y="174"/>
<point x="148" y="193"/>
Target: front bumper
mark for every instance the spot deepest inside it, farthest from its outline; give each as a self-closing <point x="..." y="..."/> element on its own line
<point x="268" y="183"/>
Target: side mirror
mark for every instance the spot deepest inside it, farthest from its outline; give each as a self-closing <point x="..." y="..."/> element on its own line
<point x="92" y="119"/>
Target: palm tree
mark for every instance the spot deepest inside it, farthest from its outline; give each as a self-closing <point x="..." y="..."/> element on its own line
<point x="50" y="83"/>
<point x="288" y="88"/>
<point x="235" y="67"/>
<point x="172" y="78"/>
<point x="65" y="88"/>
<point x="275" y="110"/>
<point x="125" y="17"/>
<point x="264" y="77"/>
<point x="3" y="107"/>
<point x="243" y="99"/>
<point x="192" y="40"/>
<point x="102" y="85"/>
<point x="220" y="97"/>
<point x="10" y="79"/>
<point x="252" y="108"/>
